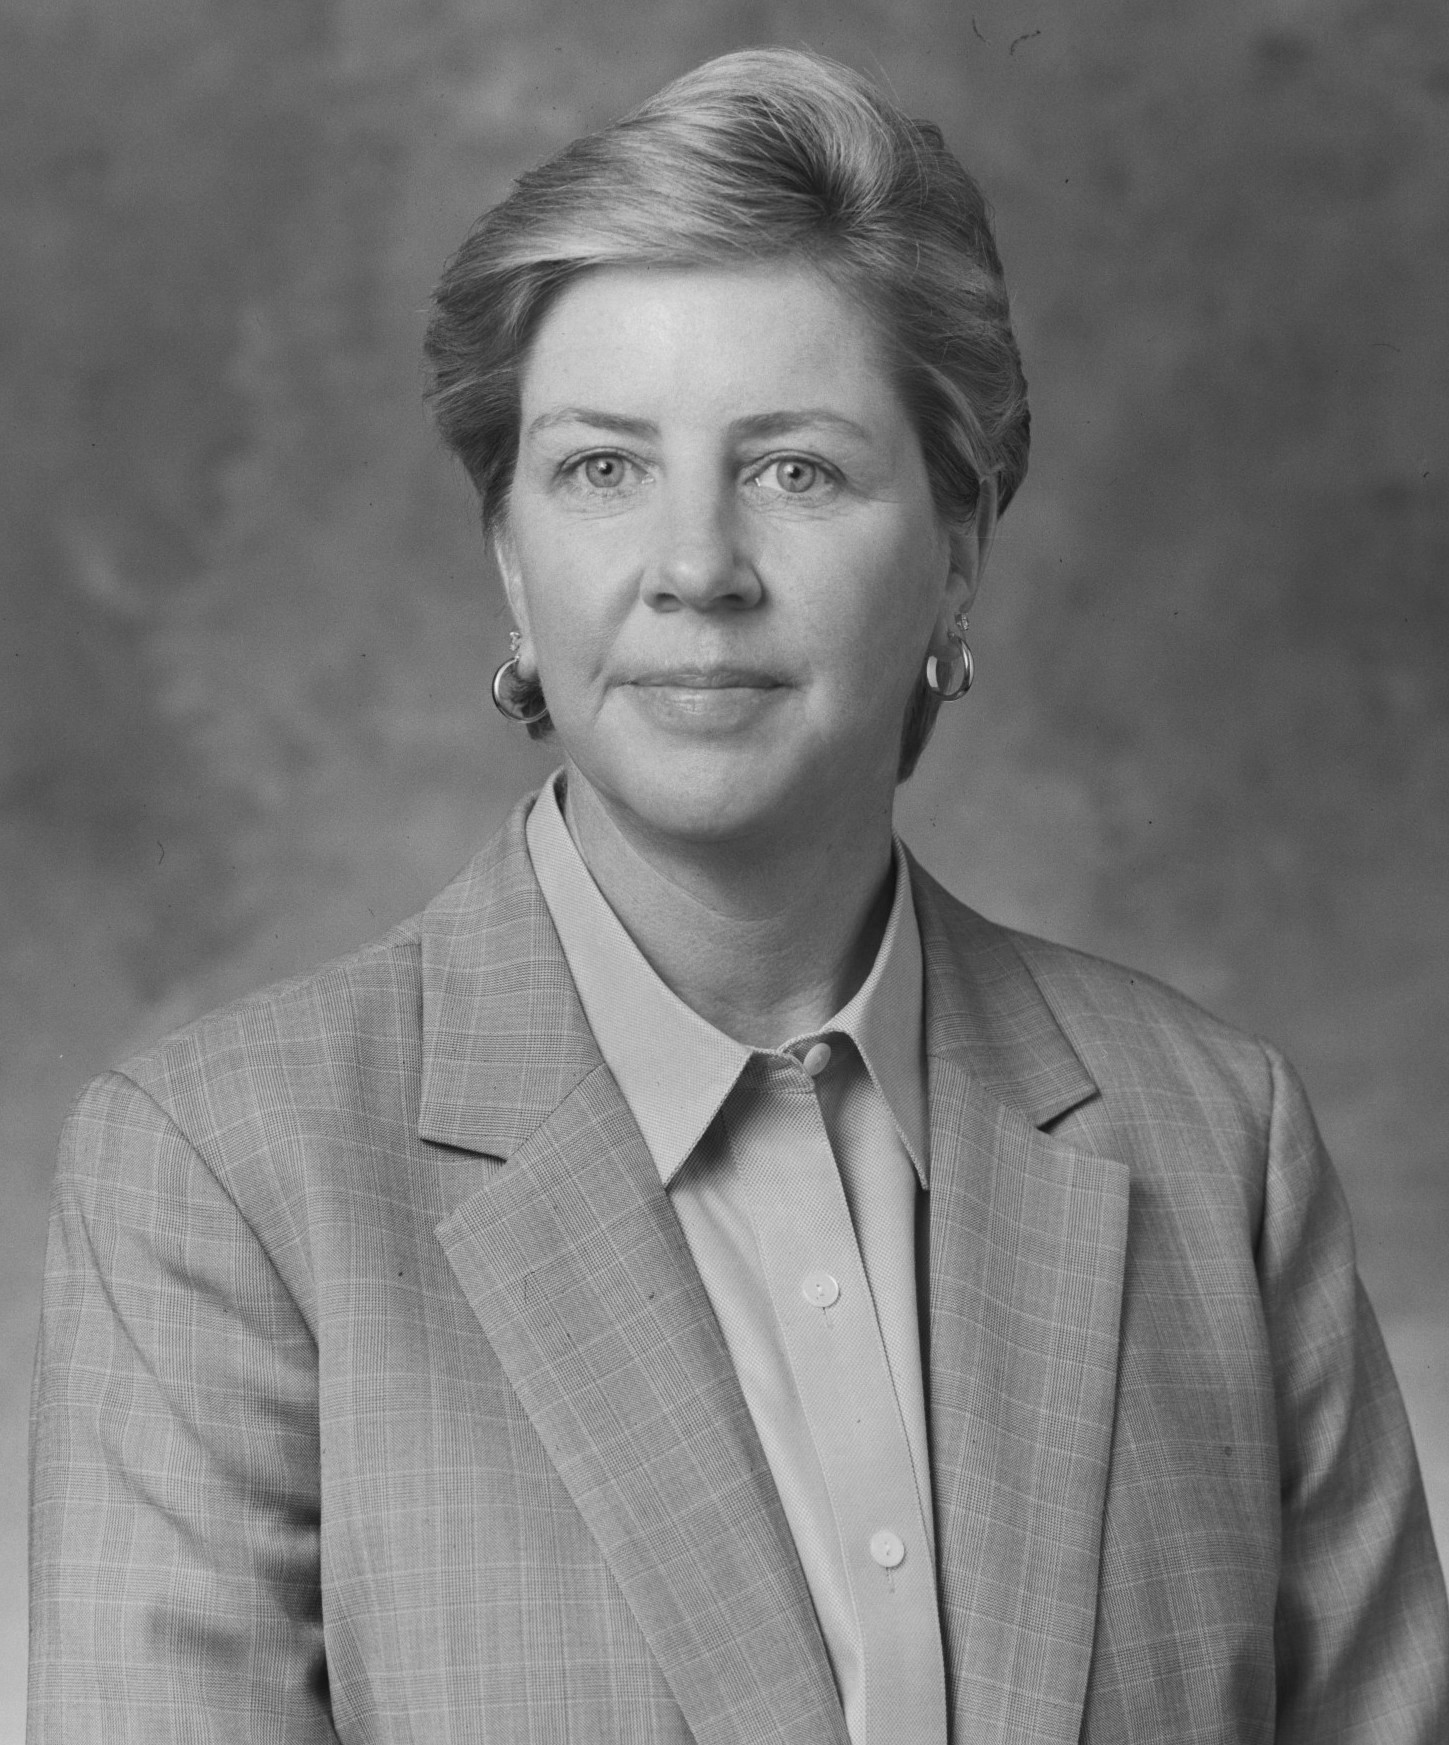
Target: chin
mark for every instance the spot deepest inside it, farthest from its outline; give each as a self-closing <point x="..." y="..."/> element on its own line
<point x="702" y="792"/>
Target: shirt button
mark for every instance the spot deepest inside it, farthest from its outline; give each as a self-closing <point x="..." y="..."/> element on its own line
<point x="817" y="1058"/>
<point x="819" y="1289"/>
<point x="887" y="1549"/>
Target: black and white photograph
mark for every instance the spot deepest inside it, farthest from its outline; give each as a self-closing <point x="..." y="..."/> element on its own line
<point x="724" y="808"/>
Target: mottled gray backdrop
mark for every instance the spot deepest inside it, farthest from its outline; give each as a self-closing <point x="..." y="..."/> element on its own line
<point x="246" y="630"/>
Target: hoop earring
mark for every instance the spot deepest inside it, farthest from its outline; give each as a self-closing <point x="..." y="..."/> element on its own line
<point x="949" y="694"/>
<point x="508" y="674"/>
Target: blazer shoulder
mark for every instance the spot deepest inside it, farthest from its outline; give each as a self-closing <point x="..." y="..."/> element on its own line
<point x="359" y="1008"/>
<point x="321" y="1049"/>
<point x="339" y="1014"/>
<point x="1129" y="1029"/>
<point x="288" y="1100"/>
<point x="1086" y="991"/>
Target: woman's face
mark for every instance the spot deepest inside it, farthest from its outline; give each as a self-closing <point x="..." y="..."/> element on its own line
<point x="722" y="550"/>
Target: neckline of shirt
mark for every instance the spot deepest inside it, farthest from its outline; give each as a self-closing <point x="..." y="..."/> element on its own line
<point x="673" y="1067"/>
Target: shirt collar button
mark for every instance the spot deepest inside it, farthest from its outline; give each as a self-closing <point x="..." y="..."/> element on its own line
<point x="816" y="1058"/>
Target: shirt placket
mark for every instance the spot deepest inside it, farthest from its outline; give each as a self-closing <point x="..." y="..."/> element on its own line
<point x="823" y="1305"/>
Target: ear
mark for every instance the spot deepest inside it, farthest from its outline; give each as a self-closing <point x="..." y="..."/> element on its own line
<point x="970" y="547"/>
<point x="510" y="573"/>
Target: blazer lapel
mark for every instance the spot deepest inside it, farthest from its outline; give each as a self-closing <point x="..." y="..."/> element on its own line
<point x="572" y="1259"/>
<point x="1027" y="1249"/>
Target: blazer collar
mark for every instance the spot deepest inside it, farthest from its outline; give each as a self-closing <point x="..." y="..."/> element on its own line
<point x="985" y="1011"/>
<point x="1028" y="1241"/>
<point x="576" y="1267"/>
<point x="505" y="1040"/>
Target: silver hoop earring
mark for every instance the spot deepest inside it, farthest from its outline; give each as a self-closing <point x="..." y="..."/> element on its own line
<point x="507" y="675"/>
<point x="946" y="692"/>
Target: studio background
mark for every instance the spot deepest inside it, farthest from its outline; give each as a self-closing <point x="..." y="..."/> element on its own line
<point x="247" y="630"/>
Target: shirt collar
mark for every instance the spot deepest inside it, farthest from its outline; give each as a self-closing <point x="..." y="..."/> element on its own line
<point x="674" y="1069"/>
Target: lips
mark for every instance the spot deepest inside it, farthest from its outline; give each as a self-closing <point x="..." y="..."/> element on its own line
<point x="705" y="703"/>
<point x="715" y="678"/>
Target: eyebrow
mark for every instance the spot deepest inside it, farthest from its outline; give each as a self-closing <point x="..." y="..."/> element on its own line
<point x="615" y="421"/>
<point x="758" y="424"/>
<point x="804" y="418"/>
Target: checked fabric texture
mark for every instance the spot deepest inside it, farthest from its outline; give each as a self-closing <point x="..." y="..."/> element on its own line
<point x="378" y="1398"/>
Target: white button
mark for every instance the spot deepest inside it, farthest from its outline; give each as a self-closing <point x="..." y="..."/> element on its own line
<point x="817" y="1058"/>
<point x="886" y="1549"/>
<point x="819" y="1289"/>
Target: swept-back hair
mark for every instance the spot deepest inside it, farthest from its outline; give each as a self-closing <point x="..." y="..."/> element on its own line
<point x="756" y="157"/>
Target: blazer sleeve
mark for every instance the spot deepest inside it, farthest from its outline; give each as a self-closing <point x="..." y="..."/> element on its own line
<point x="175" y="1484"/>
<point x="1362" y="1626"/>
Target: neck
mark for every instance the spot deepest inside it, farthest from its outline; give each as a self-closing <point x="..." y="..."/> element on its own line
<point x="766" y="938"/>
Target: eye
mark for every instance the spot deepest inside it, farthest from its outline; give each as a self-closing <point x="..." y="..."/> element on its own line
<point x="792" y="476"/>
<point x="605" y="472"/>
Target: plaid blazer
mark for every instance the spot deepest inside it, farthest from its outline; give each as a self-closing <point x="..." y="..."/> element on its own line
<point x="378" y="1398"/>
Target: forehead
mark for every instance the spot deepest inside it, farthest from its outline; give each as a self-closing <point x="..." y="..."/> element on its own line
<point x="708" y="342"/>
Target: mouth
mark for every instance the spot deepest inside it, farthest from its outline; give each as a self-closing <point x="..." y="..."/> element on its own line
<point x="714" y="678"/>
<point x="706" y="702"/>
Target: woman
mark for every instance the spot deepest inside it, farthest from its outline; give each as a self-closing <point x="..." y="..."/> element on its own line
<point x="698" y="1280"/>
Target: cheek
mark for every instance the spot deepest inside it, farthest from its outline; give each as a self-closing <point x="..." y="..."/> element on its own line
<point x="895" y="604"/>
<point x="568" y="610"/>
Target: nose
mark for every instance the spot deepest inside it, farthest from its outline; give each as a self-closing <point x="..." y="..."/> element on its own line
<point x="698" y="560"/>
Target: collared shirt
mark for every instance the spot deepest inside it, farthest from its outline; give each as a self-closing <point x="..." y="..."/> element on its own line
<point x="795" y="1174"/>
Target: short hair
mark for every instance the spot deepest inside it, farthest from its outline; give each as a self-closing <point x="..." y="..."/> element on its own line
<point x="756" y="157"/>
